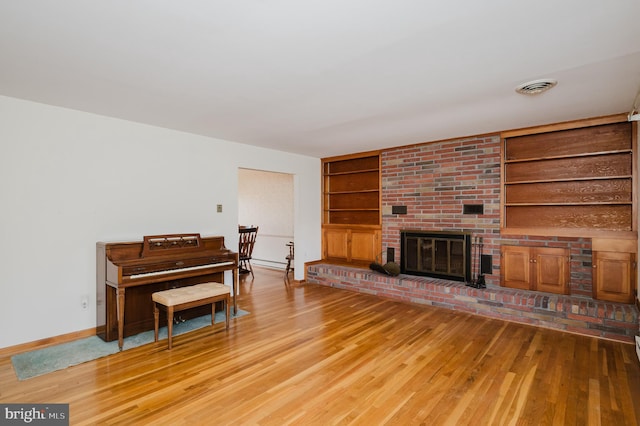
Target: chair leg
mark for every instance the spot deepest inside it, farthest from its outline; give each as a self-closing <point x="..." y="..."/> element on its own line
<point x="250" y="268"/>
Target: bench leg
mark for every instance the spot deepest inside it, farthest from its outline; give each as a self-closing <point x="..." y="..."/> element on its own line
<point x="156" y="320"/>
<point x="170" y="325"/>
<point x="226" y="299"/>
<point x="227" y="302"/>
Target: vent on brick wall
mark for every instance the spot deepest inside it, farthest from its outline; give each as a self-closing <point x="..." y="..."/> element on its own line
<point x="398" y="209"/>
<point x="473" y="209"/>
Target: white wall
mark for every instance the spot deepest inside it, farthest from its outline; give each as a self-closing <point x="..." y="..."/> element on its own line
<point x="70" y="179"/>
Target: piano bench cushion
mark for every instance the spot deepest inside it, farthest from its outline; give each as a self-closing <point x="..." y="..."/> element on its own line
<point x="181" y="295"/>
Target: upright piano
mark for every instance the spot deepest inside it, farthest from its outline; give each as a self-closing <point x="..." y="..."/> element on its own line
<point x="127" y="273"/>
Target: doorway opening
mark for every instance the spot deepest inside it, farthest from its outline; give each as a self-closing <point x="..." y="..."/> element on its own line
<point x="265" y="199"/>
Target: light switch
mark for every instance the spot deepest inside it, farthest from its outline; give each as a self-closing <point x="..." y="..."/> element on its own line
<point x="219" y="208"/>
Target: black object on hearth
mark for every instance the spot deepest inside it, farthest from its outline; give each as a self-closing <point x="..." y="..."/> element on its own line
<point x="477" y="280"/>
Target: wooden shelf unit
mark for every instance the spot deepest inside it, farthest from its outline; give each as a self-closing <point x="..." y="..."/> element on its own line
<point x="574" y="179"/>
<point x="570" y="182"/>
<point x="351" y="190"/>
<point x="351" y="214"/>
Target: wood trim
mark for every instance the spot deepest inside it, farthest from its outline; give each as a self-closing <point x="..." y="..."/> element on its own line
<point x="347" y="226"/>
<point x="49" y="341"/>
<point x="566" y="125"/>
<point x="502" y="190"/>
<point x="380" y="191"/>
<point x="357" y="264"/>
<point x="568" y="232"/>
<point x="614" y="244"/>
<point x="594" y="121"/>
<point x="350" y="156"/>
<point x="634" y="176"/>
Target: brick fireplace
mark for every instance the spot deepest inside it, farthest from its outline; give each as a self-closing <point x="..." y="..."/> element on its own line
<point x="454" y="186"/>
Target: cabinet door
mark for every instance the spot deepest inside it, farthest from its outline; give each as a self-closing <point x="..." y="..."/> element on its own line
<point x="535" y="268"/>
<point x="336" y="243"/>
<point x="365" y="245"/>
<point x="515" y="268"/>
<point x="613" y="276"/>
<point x="345" y="244"/>
<point x="551" y="270"/>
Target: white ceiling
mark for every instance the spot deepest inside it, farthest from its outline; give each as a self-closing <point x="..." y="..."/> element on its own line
<point x="324" y="77"/>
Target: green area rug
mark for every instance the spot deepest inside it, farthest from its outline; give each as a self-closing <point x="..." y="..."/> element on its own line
<point x="47" y="360"/>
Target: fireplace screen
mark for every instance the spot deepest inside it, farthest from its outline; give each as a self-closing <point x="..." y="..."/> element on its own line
<point x="436" y="254"/>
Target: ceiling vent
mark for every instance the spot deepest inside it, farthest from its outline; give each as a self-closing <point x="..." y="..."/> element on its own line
<point x="536" y="86"/>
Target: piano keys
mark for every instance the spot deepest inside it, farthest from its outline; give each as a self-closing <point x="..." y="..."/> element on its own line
<point x="164" y="273"/>
<point x="127" y="273"/>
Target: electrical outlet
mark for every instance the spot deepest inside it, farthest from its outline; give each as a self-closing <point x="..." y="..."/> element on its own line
<point x="84" y="302"/>
<point x="219" y="207"/>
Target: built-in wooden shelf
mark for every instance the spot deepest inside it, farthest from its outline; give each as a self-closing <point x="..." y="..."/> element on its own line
<point x="557" y="182"/>
<point x="351" y="214"/>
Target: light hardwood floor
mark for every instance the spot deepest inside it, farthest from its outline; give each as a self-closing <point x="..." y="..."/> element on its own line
<point x="310" y="355"/>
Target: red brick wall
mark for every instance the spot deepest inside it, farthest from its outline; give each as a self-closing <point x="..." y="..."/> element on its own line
<point x="435" y="180"/>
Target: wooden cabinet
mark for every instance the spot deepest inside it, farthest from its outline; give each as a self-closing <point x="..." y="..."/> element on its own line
<point x="570" y="182"/>
<point x="614" y="276"/>
<point x="516" y="267"/>
<point x="535" y="268"/>
<point x="614" y="269"/>
<point x="351" y="244"/>
<point x="351" y="214"/>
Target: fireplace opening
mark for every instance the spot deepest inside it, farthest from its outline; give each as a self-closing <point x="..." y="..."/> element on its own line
<point x="438" y="254"/>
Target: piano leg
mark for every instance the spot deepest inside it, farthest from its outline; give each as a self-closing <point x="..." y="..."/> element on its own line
<point x="120" y="312"/>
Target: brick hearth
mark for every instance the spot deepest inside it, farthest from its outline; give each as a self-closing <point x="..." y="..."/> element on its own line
<point x="575" y="314"/>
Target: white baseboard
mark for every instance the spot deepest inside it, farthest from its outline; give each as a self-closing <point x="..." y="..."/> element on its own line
<point x="268" y="263"/>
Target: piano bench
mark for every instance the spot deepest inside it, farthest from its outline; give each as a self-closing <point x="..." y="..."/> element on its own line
<point x="179" y="299"/>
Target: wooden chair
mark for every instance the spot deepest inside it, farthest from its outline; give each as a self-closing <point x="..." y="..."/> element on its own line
<point x="289" y="258"/>
<point x="245" y="247"/>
